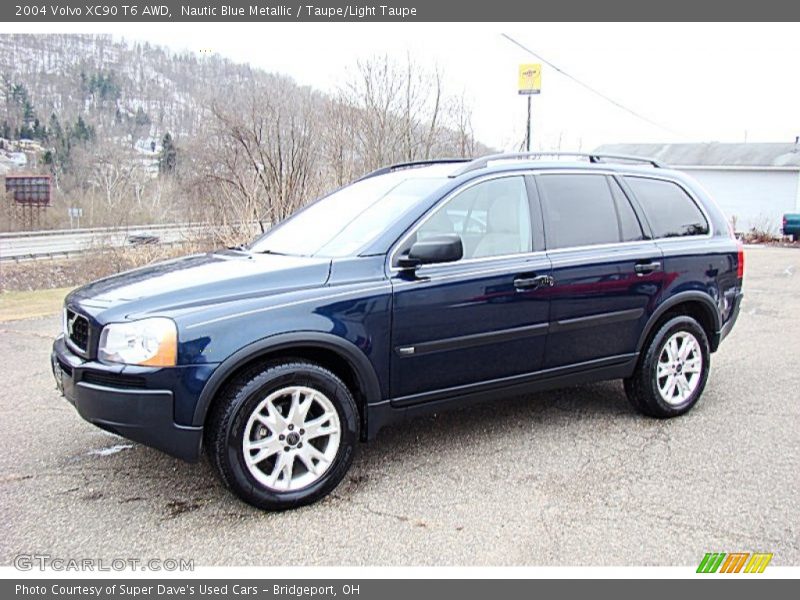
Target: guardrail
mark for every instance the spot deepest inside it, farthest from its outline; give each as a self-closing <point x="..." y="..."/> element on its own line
<point x="126" y="228"/>
<point x="32" y="245"/>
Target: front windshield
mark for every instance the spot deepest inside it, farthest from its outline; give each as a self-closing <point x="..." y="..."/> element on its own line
<point x="350" y="218"/>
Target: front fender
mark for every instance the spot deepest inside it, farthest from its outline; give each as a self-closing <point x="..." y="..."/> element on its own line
<point x="365" y="374"/>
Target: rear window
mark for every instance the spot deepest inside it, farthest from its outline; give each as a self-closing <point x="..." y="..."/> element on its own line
<point x="580" y="210"/>
<point x="670" y="211"/>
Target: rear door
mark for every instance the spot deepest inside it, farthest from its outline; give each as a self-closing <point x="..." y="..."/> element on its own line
<point x="480" y="319"/>
<point x="694" y="260"/>
<point x="607" y="273"/>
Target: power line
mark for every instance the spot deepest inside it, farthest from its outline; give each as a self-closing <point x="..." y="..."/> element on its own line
<point x="588" y="87"/>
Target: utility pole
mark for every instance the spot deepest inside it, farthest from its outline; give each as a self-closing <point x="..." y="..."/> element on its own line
<point x="530" y="83"/>
<point x="528" y="129"/>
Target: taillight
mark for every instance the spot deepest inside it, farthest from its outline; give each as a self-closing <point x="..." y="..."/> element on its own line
<point x="740" y="268"/>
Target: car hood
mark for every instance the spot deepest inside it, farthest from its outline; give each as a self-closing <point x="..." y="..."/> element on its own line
<point x="198" y="280"/>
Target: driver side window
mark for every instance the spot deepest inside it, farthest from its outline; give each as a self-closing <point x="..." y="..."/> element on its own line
<point x="492" y="218"/>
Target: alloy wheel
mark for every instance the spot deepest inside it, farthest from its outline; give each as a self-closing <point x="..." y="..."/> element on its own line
<point x="679" y="368"/>
<point x="291" y="438"/>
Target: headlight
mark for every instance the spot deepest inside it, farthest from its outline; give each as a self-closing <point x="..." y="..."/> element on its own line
<point x="151" y="342"/>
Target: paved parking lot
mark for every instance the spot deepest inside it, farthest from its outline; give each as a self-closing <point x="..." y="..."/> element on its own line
<point x="572" y="477"/>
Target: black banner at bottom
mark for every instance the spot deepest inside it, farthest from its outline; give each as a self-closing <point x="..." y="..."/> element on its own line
<point x="385" y="589"/>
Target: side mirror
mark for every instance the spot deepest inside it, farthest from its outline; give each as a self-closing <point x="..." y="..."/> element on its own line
<point x="437" y="249"/>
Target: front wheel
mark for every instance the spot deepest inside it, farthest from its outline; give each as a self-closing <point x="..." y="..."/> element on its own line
<point x="284" y="435"/>
<point x="672" y="374"/>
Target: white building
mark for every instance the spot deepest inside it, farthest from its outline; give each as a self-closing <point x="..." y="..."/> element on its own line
<point x="753" y="183"/>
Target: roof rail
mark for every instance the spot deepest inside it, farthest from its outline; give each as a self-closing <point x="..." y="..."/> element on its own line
<point x="483" y="162"/>
<point x="412" y="165"/>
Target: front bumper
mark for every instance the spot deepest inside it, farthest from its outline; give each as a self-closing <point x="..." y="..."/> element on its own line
<point x="141" y="415"/>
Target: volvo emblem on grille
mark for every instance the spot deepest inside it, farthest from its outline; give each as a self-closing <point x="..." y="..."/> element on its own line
<point x="71" y="324"/>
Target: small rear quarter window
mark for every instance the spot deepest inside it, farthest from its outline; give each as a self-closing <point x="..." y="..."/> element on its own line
<point x="670" y="211"/>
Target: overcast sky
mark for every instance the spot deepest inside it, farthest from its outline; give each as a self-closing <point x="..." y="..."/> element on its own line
<point x="699" y="82"/>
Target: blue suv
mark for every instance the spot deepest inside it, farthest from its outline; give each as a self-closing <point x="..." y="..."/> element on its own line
<point x="419" y="287"/>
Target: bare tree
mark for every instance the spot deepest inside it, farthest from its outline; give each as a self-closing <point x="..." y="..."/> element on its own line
<point x="264" y="161"/>
<point x="253" y="146"/>
<point x="339" y="147"/>
<point x="460" y="121"/>
<point x="401" y="111"/>
<point x="376" y="91"/>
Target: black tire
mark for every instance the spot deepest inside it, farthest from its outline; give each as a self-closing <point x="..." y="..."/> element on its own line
<point x="228" y="422"/>
<point x="642" y="387"/>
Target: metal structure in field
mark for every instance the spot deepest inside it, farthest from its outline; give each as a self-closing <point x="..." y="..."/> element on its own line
<point x="30" y="195"/>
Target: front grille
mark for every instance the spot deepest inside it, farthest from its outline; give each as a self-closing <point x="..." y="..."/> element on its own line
<point x="113" y="379"/>
<point x="78" y="330"/>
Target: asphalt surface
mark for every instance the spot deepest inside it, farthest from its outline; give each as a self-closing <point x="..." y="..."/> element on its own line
<point x="572" y="477"/>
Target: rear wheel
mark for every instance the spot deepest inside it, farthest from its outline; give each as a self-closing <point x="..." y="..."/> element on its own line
<point x="283" y="436"/>
<point x="672" y="374"/>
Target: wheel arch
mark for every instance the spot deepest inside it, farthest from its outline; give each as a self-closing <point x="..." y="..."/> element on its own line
<point x="340" y="356"/>
<point x="692" y="303"/>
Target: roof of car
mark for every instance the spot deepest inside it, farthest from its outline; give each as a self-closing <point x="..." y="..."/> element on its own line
<point x="543" y="165"/>
<point x="453" y="168"/>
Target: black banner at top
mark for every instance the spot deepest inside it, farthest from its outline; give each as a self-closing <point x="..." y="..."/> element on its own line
<point x="33" y="11"/>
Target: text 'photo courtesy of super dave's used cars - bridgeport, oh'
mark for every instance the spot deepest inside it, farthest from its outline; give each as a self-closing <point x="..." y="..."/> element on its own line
<point x="419" y="287"/>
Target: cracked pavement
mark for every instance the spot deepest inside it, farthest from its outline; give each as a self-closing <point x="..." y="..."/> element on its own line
<point x="570" y="477"/>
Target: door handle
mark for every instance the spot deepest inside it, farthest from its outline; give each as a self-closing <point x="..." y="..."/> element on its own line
<point x="532" y="283"/>
<point x="644" y="268"/>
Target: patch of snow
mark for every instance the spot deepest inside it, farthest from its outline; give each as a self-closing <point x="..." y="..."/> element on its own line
<point x="110" y="450"/>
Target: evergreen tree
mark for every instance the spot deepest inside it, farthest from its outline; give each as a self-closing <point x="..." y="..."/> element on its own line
<point x="81" y="131"/>
<point x="168" y="157"/>
<point x="141" y="119"/>
<point x="39" y="131"/>
<point x="28" y="113"/>
<point x="54" y="126"/>
<point x="19" y="94"/>
<point x="25" y="132"/>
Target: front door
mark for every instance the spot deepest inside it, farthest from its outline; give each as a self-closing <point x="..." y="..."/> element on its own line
<point x="483" y="318"/>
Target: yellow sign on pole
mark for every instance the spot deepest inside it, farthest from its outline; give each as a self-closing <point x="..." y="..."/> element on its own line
<point x="530" y="78"/>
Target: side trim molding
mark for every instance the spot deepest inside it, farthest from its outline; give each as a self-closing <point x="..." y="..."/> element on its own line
<point x="474" y="339"/>
<point x="514" y="333"/>
<point x="594" y="320"/>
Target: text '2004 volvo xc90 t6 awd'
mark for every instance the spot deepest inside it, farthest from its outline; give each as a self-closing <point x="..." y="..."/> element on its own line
<point x="420" y="286"/>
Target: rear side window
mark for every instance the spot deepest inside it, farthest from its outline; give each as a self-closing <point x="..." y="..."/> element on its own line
<point x="629" y="227"/>
<point x="579" y="210"/>
<point x="668" y="208"/>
